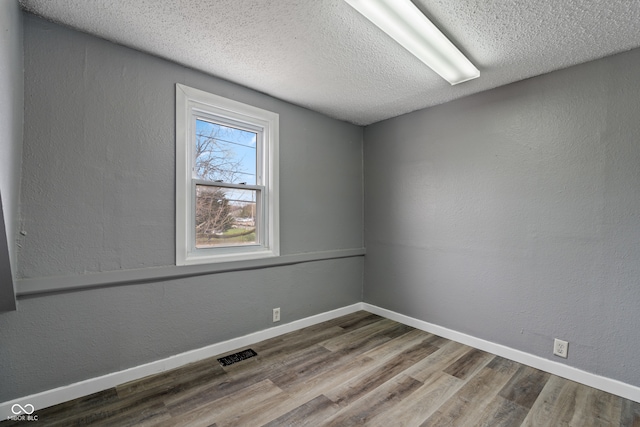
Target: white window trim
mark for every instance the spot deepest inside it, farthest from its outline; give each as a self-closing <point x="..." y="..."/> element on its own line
<point x="188" y="101"/>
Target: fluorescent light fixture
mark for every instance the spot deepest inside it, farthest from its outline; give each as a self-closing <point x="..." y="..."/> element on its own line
<point x="407" y="25"/>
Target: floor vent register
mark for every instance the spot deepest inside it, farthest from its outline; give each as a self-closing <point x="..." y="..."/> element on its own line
<point x="237" y="357"/>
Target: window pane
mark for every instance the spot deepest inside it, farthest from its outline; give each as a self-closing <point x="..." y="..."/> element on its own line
<point x="225" y="153"/>
<point x="225" y="216"/>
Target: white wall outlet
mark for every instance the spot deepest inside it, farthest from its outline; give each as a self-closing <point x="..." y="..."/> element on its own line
<point x="560" y="348"/>
<point x="276" y="314"/>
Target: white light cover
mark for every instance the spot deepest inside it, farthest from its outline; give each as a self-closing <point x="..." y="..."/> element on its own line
<point x="407" y="25"/>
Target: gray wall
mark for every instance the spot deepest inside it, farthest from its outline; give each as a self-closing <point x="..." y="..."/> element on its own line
<point x="98" y="195"/>
<point x="514" y="215"/>
<point x="11" y="117"/>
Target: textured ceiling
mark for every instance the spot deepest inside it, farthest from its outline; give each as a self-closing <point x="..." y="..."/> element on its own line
<point x="323" y="55"/>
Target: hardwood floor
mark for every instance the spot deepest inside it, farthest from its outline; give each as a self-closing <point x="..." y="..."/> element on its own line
<point x="359" y="369"/>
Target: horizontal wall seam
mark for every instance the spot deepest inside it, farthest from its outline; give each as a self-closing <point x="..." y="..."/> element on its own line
<point x="56" y="284"/>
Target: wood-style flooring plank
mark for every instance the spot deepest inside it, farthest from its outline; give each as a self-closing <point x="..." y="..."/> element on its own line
<point x="568" y="403"/>
<point x="438" y="361"/>
<point x="226" y="410"/>
<point x="525" y="386"/>
<point x="423" y="402"/>
<point x="257" y="414"/>
<point x="399" y="344"/>
<point x="308" y="387"/>
<point x="310" y="414"/>
<point x="357" y="320"/>
<point x="364" y="411"/>
<point x="363" y="384"/>
<point x="311" y="387"/>
<point x="468" y="364"/>
<point x="371" y="335"/>
<point x="464" y="407"/>
<point x="541" y="411"/>
<point x="285" y="345"/>
<point x="310" y="335"/>
<point x="595" y="408"/>
<point x="501" y="412"/>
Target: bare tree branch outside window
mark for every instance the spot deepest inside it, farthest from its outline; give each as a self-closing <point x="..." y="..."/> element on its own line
<point x="224" y="216"/>
<point x="215" y="158"/>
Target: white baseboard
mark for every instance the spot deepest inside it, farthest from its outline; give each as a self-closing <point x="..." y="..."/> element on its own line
<point x="592" y="380"/>
<point x="83" y="388"/>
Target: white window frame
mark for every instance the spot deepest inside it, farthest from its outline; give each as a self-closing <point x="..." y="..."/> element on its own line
<point x="190" y="104"/>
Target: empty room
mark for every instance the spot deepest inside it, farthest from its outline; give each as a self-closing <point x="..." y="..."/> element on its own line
<point x="320" y="213"/>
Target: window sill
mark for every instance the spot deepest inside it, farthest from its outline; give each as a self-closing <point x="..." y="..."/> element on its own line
<point x="228" y="258"/>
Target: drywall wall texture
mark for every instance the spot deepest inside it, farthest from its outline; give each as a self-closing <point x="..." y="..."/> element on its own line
<point x="99" y="167"/>
<point x="512" y="215"/>
<point x="98" y="195"/>
<point x="11" y="116"/>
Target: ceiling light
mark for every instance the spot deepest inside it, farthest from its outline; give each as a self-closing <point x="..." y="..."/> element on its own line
<point x="404" y="22"/>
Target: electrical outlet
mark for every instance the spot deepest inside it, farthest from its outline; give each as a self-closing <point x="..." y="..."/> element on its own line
<point x="276" y="314"/>
<point x="560" y="348"/>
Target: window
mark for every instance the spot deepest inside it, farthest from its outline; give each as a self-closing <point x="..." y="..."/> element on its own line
<point x="226" y="179"/>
